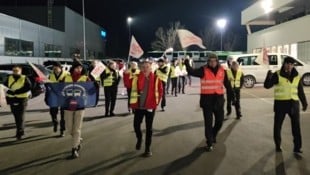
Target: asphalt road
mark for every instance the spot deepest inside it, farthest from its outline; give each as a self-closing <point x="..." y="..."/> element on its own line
<point x="244" y="146"/>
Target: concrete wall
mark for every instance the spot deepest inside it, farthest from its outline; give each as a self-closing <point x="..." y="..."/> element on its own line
<point x="11" y="27"/>
<point x="294" y="31"/>
<point x="74" y="33"/>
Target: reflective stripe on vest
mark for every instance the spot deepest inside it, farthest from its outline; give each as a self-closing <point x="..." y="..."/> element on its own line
<point x="17" y="85"/>
<point x="286" y="90"/>
<point x="134" y="91"/>
<point x="162" y="76"/>
<point x="156" y="91"/>
<point x="69" y="79"/>
<point x="234" y="81"/>
<point x="52" y="76"/>
<point x="212" y="84"/>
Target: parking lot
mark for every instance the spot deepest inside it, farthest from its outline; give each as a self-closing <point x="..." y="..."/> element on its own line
<point x="244" y="146"/>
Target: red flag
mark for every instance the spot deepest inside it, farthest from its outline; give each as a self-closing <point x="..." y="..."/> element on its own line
<point x="39" y="73"/>
<point x="187" y="38"/>
<point x="135" y="50"/>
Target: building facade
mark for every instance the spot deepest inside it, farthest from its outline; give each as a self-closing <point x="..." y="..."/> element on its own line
<point x="22" y="38"/>
<point x="286" y="26"/>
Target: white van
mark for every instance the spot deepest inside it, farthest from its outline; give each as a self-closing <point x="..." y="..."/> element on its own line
<point x="256" y="73"/>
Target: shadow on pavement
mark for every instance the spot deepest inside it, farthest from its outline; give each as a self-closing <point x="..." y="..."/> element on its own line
<point x="88" y="118"/>
<point x="34" y="163"/>
<point x="7" y="126"/>
<point x="103" y="166"/>
<point x="25" y="140"/>
<point x="181" y="127"/>
<point x="38" y="110"/>
<point x="213" y="160"/>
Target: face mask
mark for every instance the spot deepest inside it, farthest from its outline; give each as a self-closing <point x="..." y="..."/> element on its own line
<point x="16" y="76"/>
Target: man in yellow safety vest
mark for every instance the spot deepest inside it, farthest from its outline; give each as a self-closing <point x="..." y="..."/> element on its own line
<point x="235" y="76"/>
<point x="17" y="97"/>
<point x="288" y="90"/>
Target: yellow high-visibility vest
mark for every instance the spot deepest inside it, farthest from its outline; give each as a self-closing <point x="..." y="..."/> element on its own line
<point x="162" y="76"/>
<point x="17" y="85"/>
<point x="131" y="75"/>
<point x="173" y="73"/>
<point x="68" y="79"/>
<point x="286" y="90"/>
<point x="53" y="79"/>
<point x="134" y="91"/>
<point x="235" y="82"/>
<point x="109" y="80"/>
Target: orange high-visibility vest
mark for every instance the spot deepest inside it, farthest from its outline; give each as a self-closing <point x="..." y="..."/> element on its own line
<point x="212" y="84"/>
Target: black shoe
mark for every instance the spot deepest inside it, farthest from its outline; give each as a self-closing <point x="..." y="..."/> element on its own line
<point x="106" y="115"/>
<point x="147" y="154"/>
<point x="55" y="128"/>
<point x="112" y="114"/>
<point x="62" y="133"/>
<point x="209" y="148"/>
<point x="228" y="113"/>
<point x="162" y="109"/>
<point x="214" y="140"/>
<point x="238" y="117"/>
<point x="278" y="149"/>
<point x="139" y="143"/>
<point x="78" y="147"/>
<point x="183" y="92"/>
<point x="74" y="153"/>
<point x="298" y="151"/>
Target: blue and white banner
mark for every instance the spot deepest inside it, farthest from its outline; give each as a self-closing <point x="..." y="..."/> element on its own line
<point x="71" y="95"/>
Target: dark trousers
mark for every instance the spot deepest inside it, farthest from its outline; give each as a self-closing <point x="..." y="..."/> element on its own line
<point x="236" y="92"/>
<point x="181" y="84"/>
<point x="168" y="85"/>
<point x="210" y="130"/>
<point x="54" y="113"/>
<point x="128" y="95"/>
<point x="110" y="93"/>
<point x="174" y="82"/>
<point x="295" y="124"/>
<point x="138" y="118"/>
<point x="18" y="110"/>
<point x="163" y="99"/>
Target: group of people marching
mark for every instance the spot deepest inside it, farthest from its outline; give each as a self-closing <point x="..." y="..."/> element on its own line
<point x="147" y="88"/>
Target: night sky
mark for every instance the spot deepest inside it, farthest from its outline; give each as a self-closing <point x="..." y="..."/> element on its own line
<point x="148" y="15"/>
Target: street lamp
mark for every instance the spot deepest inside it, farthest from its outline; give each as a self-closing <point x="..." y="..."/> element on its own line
<point x="221" y="24"/>
<point x="129" y="20"/>
<point x="84" y="37"/>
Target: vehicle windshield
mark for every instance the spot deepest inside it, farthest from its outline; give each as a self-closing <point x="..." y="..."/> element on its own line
<point x="43" y="69"/>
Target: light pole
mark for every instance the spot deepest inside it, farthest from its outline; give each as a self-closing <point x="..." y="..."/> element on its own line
<point x="221" y="24"/>
<point x="129" y="20"/>
<point x="84" y="37"/>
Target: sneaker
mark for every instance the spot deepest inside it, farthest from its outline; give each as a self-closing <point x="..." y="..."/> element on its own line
<point x="62" y="133"/>
<point x="147" y="154"/>
<point x="209" y="148"/>
<point x="74" y="153"/>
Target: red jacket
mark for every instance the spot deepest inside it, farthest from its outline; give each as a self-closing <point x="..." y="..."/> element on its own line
<point x="150" y="98"/>
<point x="127" y="80"/>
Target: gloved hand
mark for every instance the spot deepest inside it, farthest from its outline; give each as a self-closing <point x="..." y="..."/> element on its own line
<point x="304" y="107"/>
<point x="10" y="92"/>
